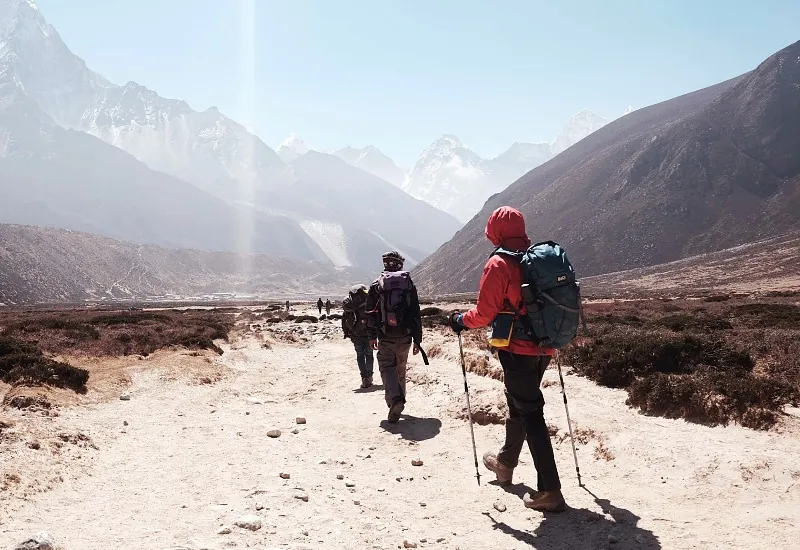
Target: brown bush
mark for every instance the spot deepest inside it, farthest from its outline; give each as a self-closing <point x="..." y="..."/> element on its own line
<point x="715" y="360"/>
<point x="616" y="358"/>
<point x="23" y="364"/>
<point x="118" y="333"/>
<point x="778" y="315"/>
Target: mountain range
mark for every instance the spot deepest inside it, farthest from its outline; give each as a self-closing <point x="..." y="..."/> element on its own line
<point x="451" y="176"/>
<point x="34" y="268"/>
<point x="699" y="173"/>
<point x="79" y="152"/>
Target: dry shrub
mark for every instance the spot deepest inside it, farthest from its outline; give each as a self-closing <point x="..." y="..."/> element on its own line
<point x="712" y="397"/>
<point x="434" y="351"/>
<point x="601" y="452"/>
<point x="773" y="315"/>
<point x="549" y="383"/>
<point x="681" y="322"/>
<point x="485" y="416"/>
<point x="479" y="364"/>
<point x="616" y="358"/>
<point x="430" y="311"/>
<point x="718" y="298"/>
<point x="118" y="333"/>
<point x="24" y="364"/>
<point x="306" y="319"/>
<point x="695" y="359"/>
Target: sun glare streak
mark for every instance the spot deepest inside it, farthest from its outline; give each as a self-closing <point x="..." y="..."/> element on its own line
<point x="247" y="100"/>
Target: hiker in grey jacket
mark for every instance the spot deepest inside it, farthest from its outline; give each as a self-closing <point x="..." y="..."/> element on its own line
<point x="393" y="327"/>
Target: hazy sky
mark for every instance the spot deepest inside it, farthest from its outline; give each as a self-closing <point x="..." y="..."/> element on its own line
<point x="398" y="74"/>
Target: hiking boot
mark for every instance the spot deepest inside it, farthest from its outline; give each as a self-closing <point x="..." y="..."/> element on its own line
<point x="503" y="473"/>
<point x="395" y="410"/>
<point x="545" y="501"/>
<point x="366" y="382"/>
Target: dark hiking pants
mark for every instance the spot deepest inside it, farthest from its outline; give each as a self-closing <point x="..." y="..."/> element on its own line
<point x="392" y="360"/>
<point x="523" y="376"/>
<point x="363" y="355"/>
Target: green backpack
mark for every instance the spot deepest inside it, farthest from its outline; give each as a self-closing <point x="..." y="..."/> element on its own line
<point x="551" y="294"/>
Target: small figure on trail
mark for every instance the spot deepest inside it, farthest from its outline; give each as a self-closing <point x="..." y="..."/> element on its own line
<point x="354" y="325"/>
<point x="319" y="306"/>
<point x="327" y="307"/>
<point x="287" y="306"/>
<point x="393" y="325"/>
<point x="523" y="361"/>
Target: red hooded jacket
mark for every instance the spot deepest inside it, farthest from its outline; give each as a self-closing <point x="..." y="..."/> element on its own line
<point x="502" y="277"/>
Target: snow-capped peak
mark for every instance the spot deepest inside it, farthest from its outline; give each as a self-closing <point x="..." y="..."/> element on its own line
<point x="577" y="127"/>
<point x="370" y="159"/>
<point x="292" y="147"/>
<point x="629" y="110"/>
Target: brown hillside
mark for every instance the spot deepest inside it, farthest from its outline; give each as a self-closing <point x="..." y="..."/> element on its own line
<point x="771" y="265"/>
<point x="699" y="173"/>
<point x="42" y="265"/>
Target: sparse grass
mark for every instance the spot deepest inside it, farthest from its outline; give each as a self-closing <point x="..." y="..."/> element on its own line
<point x="601" y="452"/>
<point x="435" y="351"/>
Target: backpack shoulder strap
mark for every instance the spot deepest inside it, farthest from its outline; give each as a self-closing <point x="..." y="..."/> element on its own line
<point x="510" y="253"/>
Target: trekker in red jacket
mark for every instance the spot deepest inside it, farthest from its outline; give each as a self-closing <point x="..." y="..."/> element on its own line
<point x="523" y="363"/>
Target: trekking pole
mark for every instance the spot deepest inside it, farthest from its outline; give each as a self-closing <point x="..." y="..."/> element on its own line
<point x="469" y="410"/>
<point x="569" y="423"/>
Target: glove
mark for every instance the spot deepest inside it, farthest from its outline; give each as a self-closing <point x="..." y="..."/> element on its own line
<point x="456" y="323"/>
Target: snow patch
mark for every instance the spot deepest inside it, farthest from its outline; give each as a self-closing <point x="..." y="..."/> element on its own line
<point x="331" y="239"/>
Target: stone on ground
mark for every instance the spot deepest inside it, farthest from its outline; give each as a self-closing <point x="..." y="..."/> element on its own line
<point x="300" y="420"/>
<point x="40" y="541"/>
<point x="274" y="433"/>
<point x="251" y="523"/>
<point x="499" y="506"/>
<point x="416" y="462"/>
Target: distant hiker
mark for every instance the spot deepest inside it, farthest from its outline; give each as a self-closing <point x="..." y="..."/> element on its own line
<point x="523" y="361"/>
<point x="287" y="306"/>
<point x="354" y="325"/>
<point x="393" y="324"/>
<point x="319" y="306"/>
<point x="327" y="307"/>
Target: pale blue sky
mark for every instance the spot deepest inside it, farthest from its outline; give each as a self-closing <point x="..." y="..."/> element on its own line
<point x="398" y="74"/>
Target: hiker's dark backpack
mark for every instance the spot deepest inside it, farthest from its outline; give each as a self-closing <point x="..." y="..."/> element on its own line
<point x="354" y="312"/>
<point x="551" y="294"/>
<point x="395" y="292"/>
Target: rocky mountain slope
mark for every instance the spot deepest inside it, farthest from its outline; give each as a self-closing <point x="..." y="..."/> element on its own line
<point x="699" y="173"/>
<point x="768" y="265"/>
<point x="40" y="265"/>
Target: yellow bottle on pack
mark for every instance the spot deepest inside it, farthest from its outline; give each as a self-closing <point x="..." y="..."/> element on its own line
<point x="502" y="329"/>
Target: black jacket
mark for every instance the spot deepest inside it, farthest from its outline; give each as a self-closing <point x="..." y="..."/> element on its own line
<point x="375" y="328"/>
<point x="354" y="319"/>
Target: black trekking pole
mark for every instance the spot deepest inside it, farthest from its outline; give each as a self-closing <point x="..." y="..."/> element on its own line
<point x="469" y="410"/>
<point x="569" y="423"/>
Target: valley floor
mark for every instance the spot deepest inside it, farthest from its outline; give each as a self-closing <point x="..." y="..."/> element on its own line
<point x="194" y="457"/>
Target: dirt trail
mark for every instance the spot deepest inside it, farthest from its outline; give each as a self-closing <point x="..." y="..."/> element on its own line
<point x="194" y="458"/>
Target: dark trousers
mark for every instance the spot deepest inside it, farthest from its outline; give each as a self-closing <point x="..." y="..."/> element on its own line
<point x="523" y="376"/>
<point x="392" y="361"/>
<point x="363" y="355"/>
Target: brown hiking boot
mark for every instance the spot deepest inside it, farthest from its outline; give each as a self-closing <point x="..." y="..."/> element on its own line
<point x="545" y="501"/>
<point x="394" y="411"/>
<point x="504" y="473"/>
<point x="366" y="382"/>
